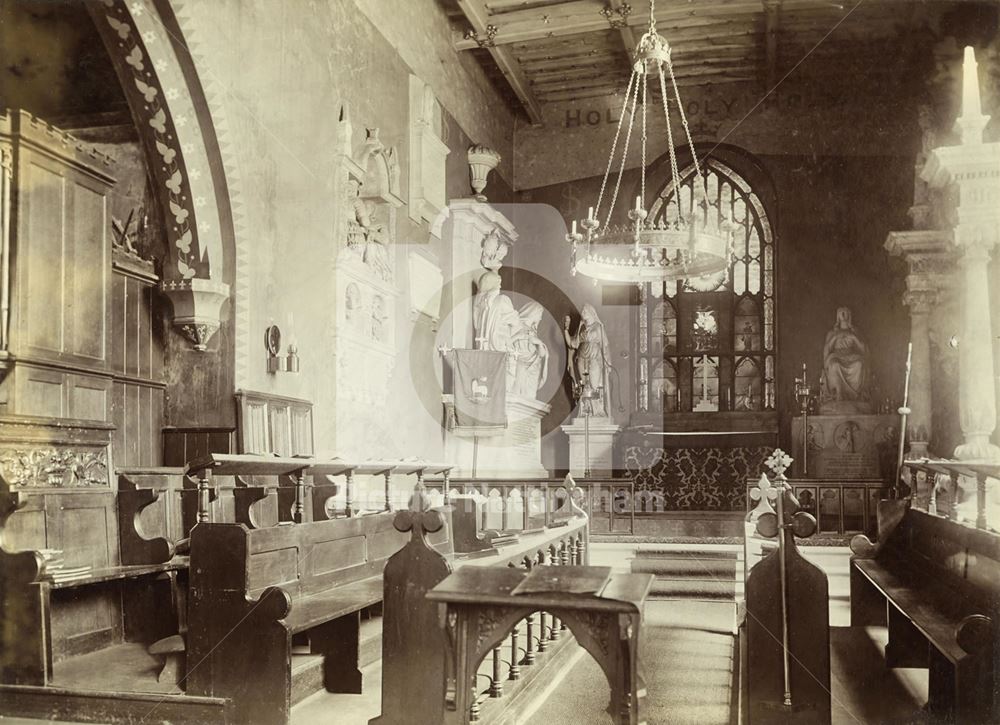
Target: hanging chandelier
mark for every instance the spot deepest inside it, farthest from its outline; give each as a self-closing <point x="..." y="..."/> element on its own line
<point x="691" y="242"/>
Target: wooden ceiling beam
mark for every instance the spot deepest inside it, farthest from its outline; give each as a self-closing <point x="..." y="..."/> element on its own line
<point x="585" y="16"/>
<point x="475" y="12"/>
<point x="772" y="20"/>
<point x="622" y="10"/>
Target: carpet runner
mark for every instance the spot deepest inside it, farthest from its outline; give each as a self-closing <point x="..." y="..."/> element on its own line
<point x="688" y="658"/>
<point x="697" y="574"/>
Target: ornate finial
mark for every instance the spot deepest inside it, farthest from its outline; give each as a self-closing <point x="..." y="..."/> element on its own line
<point x="419" y="518"/>
<point x="779" y="462"/>
<point x="485" y="42"/>
<point x="764" y="491"/>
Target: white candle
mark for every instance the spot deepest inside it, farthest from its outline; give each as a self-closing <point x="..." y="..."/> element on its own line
<point x="638" y="203"/>
<point x="574" y="226"/>
<point x="590" y="213"/>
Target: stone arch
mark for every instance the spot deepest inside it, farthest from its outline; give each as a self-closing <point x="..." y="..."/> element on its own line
<point x="187" y="169"/>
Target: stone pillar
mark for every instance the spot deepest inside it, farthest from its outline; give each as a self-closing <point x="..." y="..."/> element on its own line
<point x="929" y="261"/>
<point x="977" y="390"/>
<point x="973" y="167"/>
<point x="919" y="420"/>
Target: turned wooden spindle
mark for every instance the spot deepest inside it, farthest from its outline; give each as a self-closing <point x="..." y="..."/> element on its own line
<point x="204" y="497"/>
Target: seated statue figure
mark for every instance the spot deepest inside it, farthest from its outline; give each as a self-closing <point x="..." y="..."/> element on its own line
<point x="532" y="353"/>
<point x="845" y="383"/>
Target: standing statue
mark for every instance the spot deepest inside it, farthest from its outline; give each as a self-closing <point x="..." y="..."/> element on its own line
<point x="845" y="386"/>
<point x="532" y="353"/>
<point x="588" y="361"/>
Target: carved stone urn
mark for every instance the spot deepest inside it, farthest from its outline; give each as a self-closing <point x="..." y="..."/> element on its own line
<point x="482" y="160"/>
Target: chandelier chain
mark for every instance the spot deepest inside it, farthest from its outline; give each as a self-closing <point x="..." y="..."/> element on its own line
<point x="614" y="146"/>
<point x="687" y="131"/>
<point x="628" y="142"/>
<point x="675" y="174"/>
<point x="642" y="168"/>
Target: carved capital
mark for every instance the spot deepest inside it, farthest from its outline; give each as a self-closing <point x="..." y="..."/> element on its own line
<point x="920" y="301"/>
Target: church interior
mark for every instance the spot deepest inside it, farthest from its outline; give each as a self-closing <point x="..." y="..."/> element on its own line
<point x="499" y="361"/>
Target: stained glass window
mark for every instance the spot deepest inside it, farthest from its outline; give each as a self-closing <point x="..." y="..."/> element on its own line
<point x="708" y="343"/>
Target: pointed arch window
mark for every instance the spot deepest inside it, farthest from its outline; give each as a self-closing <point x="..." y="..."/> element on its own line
<point x="708" y="344"/>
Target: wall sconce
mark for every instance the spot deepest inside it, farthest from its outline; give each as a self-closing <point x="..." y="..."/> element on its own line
<point x="275" y="361"/>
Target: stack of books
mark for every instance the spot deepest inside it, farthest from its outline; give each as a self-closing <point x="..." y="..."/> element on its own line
<point x="56" y="569"/>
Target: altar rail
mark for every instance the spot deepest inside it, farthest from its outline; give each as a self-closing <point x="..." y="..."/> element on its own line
<point x="936" y="487"/>
<point x="603" y="499"/>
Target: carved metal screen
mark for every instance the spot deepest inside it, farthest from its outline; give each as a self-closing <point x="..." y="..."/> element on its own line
<point x="708" y="344"/>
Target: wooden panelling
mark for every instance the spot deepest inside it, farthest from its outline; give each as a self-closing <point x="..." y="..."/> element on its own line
<point x="137" y="361"/>
<point x="181" y="445"/>
<point x="88" y="397"/>
<point x="274" y="424"/>
<point x="89" y="252"/>
<point x="63" y="262"/>
<point x="83" y="525"/>
<point x="42" y="258"/>
<point x="40" y="391"/>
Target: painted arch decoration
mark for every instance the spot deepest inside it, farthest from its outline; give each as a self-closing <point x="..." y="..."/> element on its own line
<point x="193" y="198"/>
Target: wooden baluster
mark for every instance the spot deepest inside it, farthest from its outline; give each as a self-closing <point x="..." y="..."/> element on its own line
<point x="564" y="557"/>
<point x="524" y="507"/>
<point x="953" y="512"/>
<point x="557" y="626"/>
<point x="496" y="684"/>
<point x="204" y="497"/>
<point x="547" y="498"/>
<point x="349" y="494"/>
<point x="474" y="709"/>
<point x="447" y="486"/>
<point x="299" y="509"/>
<point x="932" y="499"/>
<point x="543" y="637"/>
<point x="980" y="500"/>
<point x="515" y="669"/>
<point x="529" y="621"/>
<point x="388" y="483"/>
<point x="581" y="551"/>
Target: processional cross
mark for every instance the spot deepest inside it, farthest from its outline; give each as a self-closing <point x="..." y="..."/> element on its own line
<point x="776" y="523"/>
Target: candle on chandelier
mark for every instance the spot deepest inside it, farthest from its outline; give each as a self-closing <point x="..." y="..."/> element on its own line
<point x="590" y="213"/>
<point x="574" y="227"/>
<point x="638" y="203"/>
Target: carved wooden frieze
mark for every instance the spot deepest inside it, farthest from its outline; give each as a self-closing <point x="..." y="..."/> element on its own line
<point x="54" y="467"/>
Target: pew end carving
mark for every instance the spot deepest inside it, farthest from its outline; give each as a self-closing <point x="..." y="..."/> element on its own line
<point x="135" y="546"/>
<point x="409" y="574"/>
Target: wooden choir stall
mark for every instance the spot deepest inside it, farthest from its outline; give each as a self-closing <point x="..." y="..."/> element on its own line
<point x="245" y="583"/>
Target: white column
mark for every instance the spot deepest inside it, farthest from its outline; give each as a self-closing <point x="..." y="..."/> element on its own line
<point x="974" y="168"/>
<point x="977" y="391"/>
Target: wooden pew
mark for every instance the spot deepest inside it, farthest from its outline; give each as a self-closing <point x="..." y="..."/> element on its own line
<point x="252" y="591"/>
<point x="935" y="584"/>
